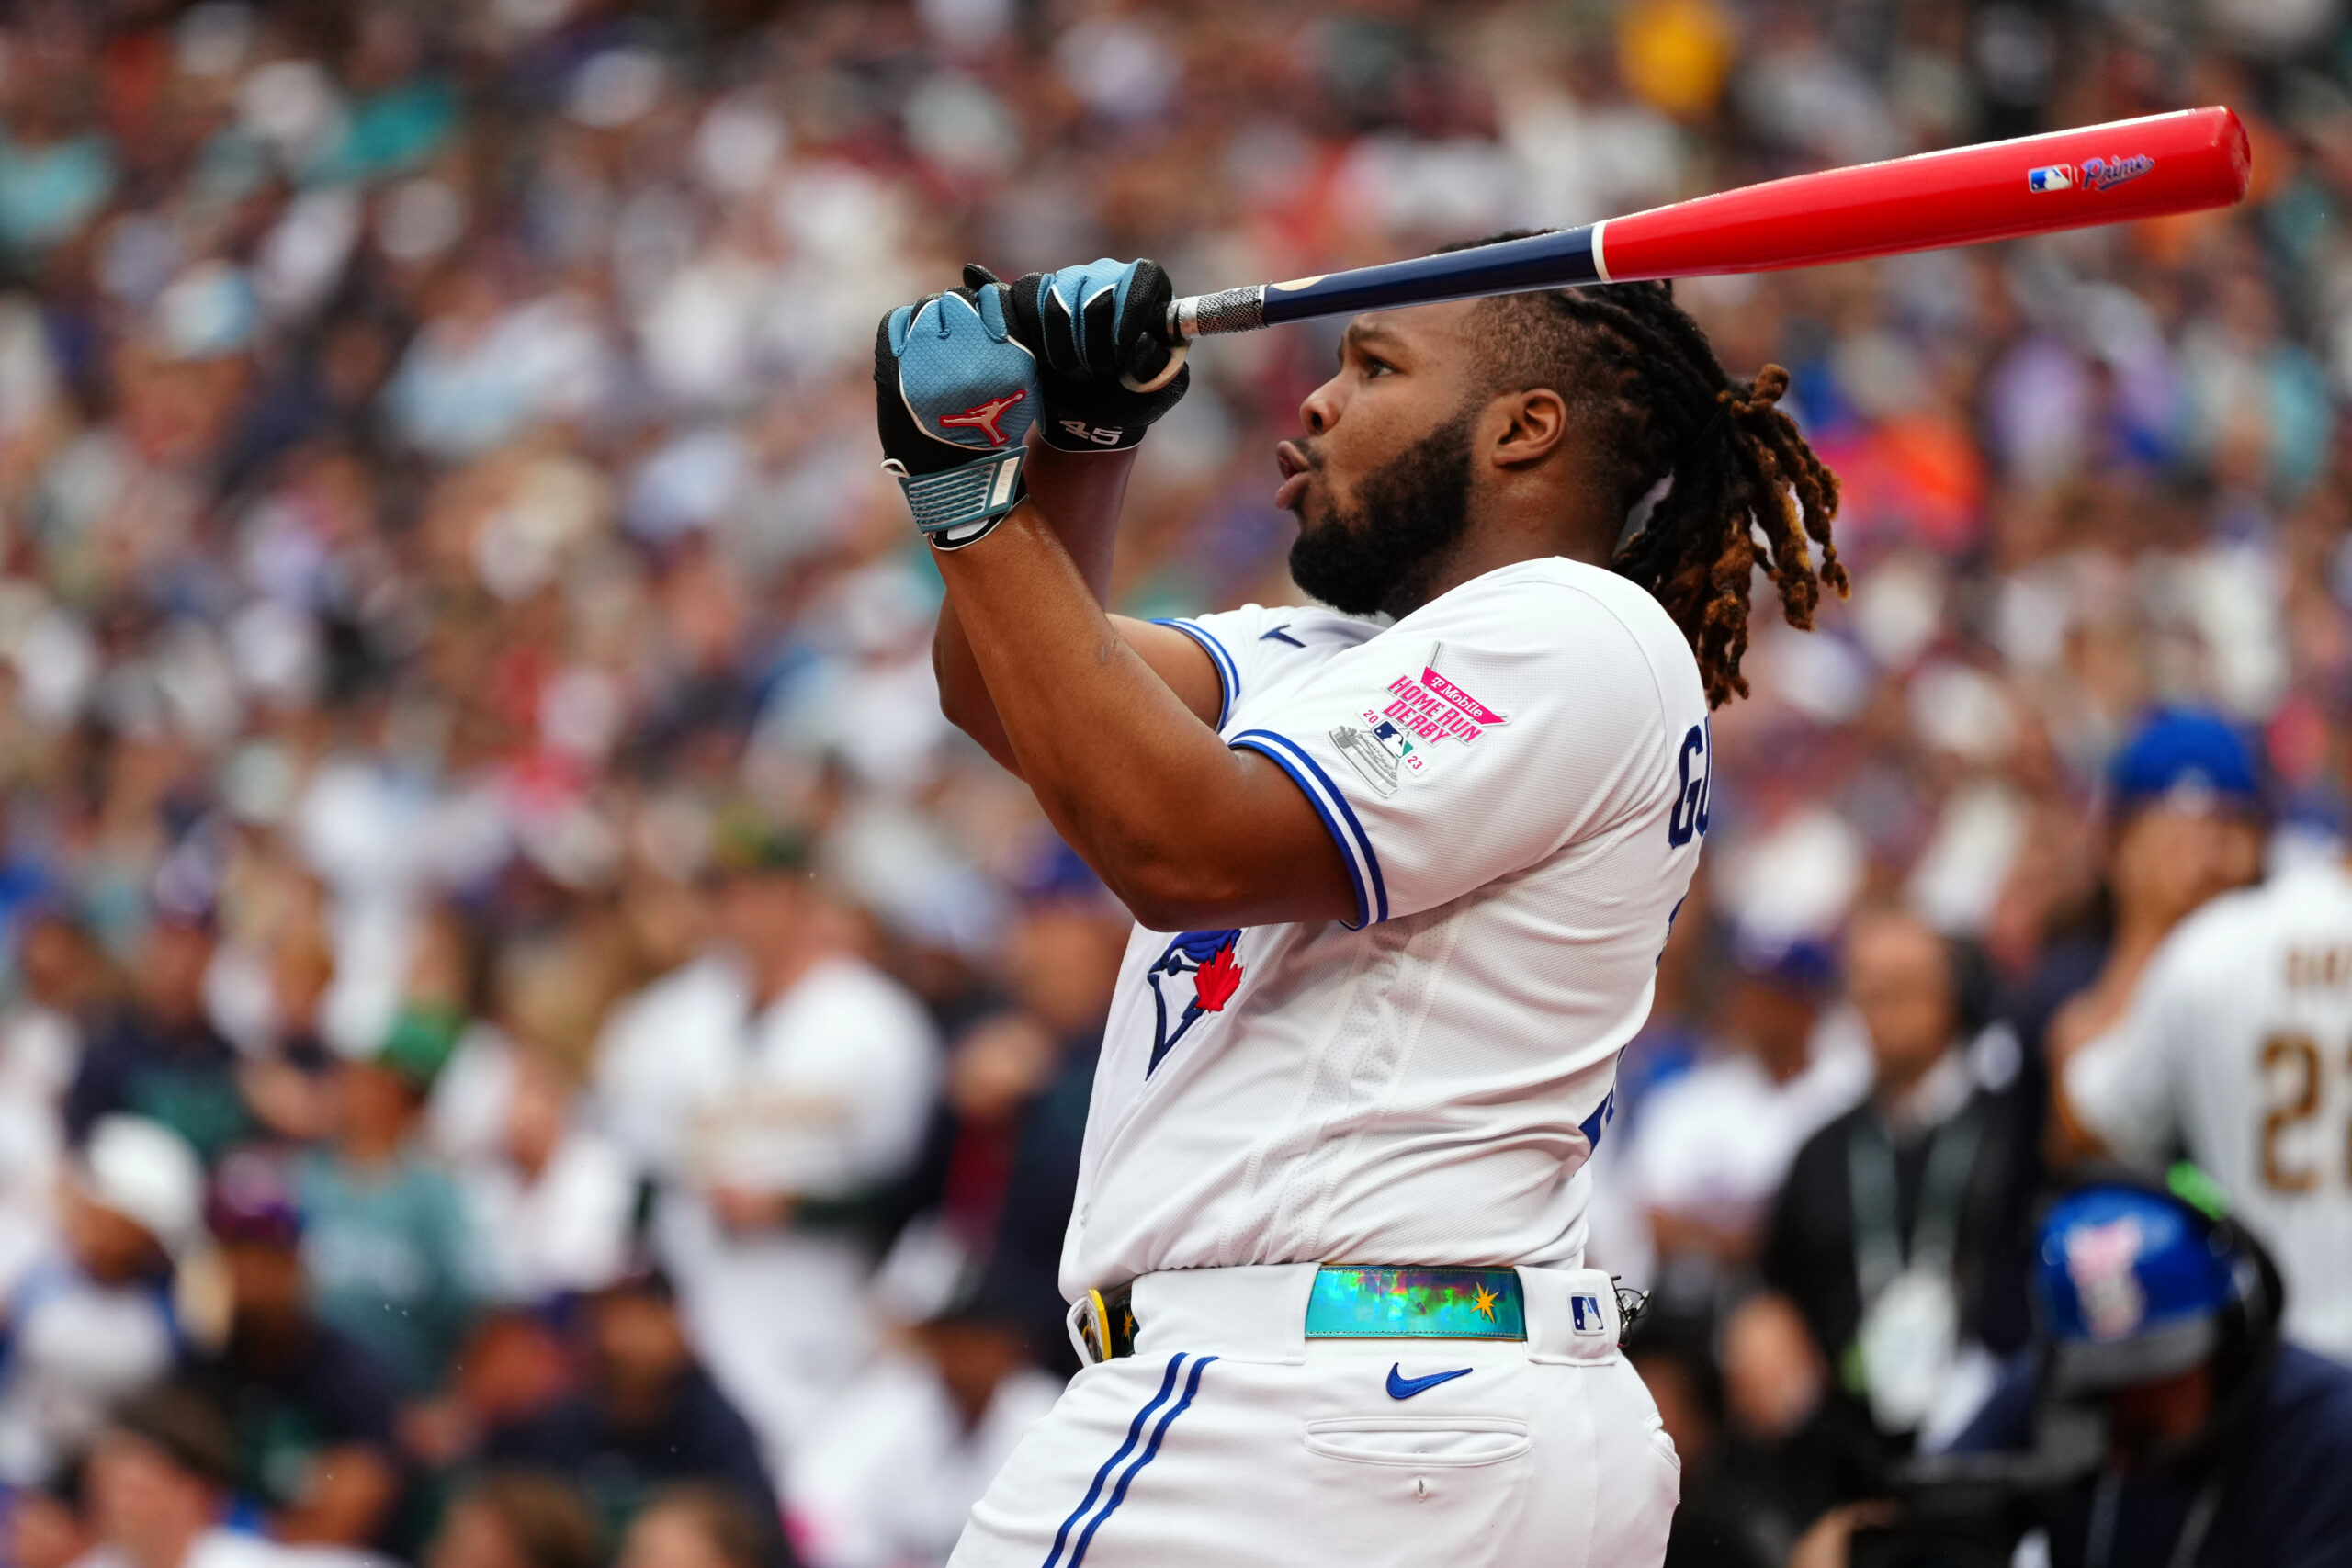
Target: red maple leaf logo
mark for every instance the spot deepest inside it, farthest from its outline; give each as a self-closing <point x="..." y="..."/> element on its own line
<point x="1215" y="981"/>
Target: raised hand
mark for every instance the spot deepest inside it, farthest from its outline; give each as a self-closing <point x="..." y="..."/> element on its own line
<point x="955" y="394"/>
<point x="1095" y="329"/>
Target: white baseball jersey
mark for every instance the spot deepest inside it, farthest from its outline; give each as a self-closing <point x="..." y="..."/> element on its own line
<point x="1516" y="776"/>
<point x="2238" y="1050"/>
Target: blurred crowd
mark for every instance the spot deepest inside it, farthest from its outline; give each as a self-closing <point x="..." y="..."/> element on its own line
<point x="527" y="1041"/>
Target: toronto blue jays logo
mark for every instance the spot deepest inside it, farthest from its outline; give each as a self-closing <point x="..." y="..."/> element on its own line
<point x="1208" y="957"/>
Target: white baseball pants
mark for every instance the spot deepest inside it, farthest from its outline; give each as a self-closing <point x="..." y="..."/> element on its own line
<point x="1230" y="1439"/>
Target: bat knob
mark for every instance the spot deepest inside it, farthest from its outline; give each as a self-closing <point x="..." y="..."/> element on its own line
<point x="1167" y="372"/>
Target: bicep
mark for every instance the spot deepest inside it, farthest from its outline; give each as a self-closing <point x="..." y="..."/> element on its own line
<point x="1182" y="663"/>
<point x="1257" y="850"/>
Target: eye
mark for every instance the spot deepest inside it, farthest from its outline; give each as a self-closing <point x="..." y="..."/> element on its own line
<point x="1374" y="366"/>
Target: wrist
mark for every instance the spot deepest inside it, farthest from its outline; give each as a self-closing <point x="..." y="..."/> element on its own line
<point x="958" y="506"/>
<point x="1075" y="433"/>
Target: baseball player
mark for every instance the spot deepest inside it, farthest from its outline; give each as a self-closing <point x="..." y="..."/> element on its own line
<point x="1402" y="868"/>
<point x="2237" y="1050"/>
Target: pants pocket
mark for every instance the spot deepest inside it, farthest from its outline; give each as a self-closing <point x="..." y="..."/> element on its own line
<point x="1405" y="1491"/>
<point x="1449" y="1442"/>
<point x="1654" y="1427"/>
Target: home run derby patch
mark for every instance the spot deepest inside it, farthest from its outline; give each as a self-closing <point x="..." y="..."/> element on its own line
<point x="1415" y="716"/>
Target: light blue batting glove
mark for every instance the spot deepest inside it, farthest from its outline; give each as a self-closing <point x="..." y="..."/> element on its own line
<point x="955" y="396"/>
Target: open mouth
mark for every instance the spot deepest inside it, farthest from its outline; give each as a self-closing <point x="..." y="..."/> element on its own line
<point x="1292" y="461"/>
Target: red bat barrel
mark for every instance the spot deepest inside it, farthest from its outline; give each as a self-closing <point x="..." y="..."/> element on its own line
<point x="2064" y="179"/>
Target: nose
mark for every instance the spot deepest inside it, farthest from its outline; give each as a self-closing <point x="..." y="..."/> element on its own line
<point x="1320" y="411"/>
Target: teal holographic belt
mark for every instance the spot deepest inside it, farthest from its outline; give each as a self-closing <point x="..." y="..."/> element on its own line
<point x="1347" y="1304"/>
<point x="1409" y="1303"/>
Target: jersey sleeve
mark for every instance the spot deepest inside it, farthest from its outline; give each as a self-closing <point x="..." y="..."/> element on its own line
<point x="1478" y="737"/>
<point x="2119" y="1086"/>
<point x="1257" y="644"/>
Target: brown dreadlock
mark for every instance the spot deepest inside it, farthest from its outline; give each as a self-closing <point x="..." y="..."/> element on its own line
<point x="1745" y="489"/>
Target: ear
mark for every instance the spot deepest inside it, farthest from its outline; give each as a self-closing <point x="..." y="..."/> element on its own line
<point x="1532" y="425"/>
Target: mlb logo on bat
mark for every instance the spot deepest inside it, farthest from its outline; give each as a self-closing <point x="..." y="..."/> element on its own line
<point x="2094" y="174"/>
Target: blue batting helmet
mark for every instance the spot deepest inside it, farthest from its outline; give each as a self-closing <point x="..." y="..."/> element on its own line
<point x="2132" y="1286"/>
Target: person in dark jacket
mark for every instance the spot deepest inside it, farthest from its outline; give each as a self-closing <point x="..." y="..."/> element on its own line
<point x="157" y="1056"/>
<point x="2226" y="1447"/>
<point x="312" y="1411"/>
<point x="647" y="1416"/>
<point x="1898" y="1235"/>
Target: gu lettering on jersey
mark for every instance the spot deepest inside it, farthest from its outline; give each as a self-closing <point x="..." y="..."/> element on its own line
<point x="1417" y="715"/>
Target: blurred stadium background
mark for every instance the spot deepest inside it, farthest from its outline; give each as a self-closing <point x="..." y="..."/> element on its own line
<point x="446" y="586"/>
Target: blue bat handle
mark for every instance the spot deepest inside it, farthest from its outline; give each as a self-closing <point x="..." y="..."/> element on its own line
<point x="1540" y="261"/>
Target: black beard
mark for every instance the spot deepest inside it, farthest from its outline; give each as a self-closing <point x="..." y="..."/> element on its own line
<point x="1410" y="512"/>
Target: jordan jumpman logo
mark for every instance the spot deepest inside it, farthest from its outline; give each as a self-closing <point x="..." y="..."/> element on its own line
<point x="983" y="417"/>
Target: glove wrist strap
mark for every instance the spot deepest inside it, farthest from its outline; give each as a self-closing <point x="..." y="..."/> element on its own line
<point x="957" y="506"/>
<point x="1068" y="434"/>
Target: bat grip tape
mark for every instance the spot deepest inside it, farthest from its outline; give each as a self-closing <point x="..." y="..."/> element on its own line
<point x="1201" y="315"/>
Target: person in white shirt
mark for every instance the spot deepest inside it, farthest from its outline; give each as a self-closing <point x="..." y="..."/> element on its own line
<point x="40" y="1046"/>
<point x="916" y="1441"/>
<point x="94" y="1321"/>
<point x="551" y="1197"/>
<point x="1711" y="1147"/>
<point x="1402" y="869"/>
<point x="770" y="1086"/>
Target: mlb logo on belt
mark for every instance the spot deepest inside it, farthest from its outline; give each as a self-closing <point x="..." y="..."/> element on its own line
<point x="1584" y="1312"/>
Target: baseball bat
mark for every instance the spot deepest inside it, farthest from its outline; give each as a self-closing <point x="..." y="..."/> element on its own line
<point x="1997" y="191"/>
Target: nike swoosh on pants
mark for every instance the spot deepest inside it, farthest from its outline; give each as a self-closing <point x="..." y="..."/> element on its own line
<point x="1402" y="1387"/>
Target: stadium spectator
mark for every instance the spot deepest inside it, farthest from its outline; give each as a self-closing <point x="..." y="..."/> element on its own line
<point x="2223" y="1445"/>
<point x="1894" y="1234"/>
<point x="158" y="1486"/>
<point x="313" y="1413"/>
<point x="919" y="1439"/>
<point x="1713" y="1145"/>
<point x="549" y="1197"/>
<point x="518" y="1519"/>
<point x="1709" y="1531"/>
<point x="389" y="1258"/>
<point x="990" y="1193"/>
<point x="779" y="1106"/>
<point x="40" y="1050"/>
<point x="158" y="1056"/>
<point x="647" y="1415"/>
<point x="96" y="1322"/>
<point x="695" y="1526"/>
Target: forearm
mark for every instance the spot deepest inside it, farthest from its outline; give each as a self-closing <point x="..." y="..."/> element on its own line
<point x="1079" y="494"/>
<point x="1184" y="829"/>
